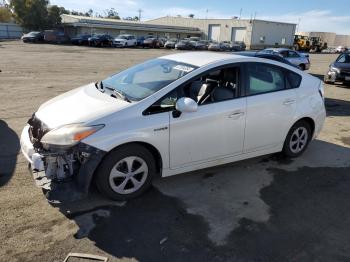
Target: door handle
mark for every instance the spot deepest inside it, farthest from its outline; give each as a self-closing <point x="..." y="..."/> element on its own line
<point x="289" y="102"/>
<point x="236" y="115"/>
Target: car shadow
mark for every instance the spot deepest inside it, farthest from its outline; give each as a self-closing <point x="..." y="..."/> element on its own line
<point x="9" y="148"/>
<point x="337" y="107"/>
<point x="160" y="227"/>
<point x="345" y="85"/>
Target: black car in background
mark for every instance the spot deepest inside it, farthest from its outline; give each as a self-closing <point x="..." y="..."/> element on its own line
<point x="151" y="42"/>
<point x="101" y="40"/>
<point x="200" y="45"/>
<point x="238" y="46"/>
<point x="339" y="70"/>
<point x="273" y="57"/>
<point x="139" y="40"/>
<point x="56" y="37"/>
<point x="184" y="45"/>
<point x="33" y="37"/>
<point x="80" y="40"/>
<point x="170" y="43"/>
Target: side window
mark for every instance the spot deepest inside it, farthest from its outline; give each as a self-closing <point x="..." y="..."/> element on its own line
<point x="213" y="86"/>
<point x="165" y="104"/>
<point x="264" y="78"/>
<point x="284" y="53"/>
<point x="293" y="80"/>
<point x="293" y="54"/>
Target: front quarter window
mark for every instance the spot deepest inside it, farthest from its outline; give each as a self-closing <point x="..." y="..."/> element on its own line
<point x="143" y="80"/>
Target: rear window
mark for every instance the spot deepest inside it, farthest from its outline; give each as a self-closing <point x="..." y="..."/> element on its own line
<point x="293" y="79"/>
<point x="264" y="78"/>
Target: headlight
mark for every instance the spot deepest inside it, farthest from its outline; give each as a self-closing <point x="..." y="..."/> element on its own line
<point x="69" y="135"/>
<point x="334" y="69"/>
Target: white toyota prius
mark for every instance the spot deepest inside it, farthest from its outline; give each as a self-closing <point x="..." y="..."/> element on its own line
<point x="170" y="115"/>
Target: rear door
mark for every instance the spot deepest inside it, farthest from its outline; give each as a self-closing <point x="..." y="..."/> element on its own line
<point x="294" y="58"/>
<point x="271" y="105"/>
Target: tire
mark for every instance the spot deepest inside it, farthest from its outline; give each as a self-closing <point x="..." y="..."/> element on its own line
<point x="120" y="161"/>
<point x="302" y="67"/>
<point x="294" y="146"/>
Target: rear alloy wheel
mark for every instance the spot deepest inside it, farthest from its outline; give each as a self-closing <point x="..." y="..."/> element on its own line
<point x="297" y="139"/>
<point x="126" y="173"/>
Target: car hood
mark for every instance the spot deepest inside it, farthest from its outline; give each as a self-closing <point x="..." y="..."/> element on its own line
<point x="81" y="105"/>
<point x="120" y="39"/>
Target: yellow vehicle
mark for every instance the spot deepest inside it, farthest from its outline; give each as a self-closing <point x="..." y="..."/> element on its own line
<point x="302" y="43"/>
<point x="317" y="44"/>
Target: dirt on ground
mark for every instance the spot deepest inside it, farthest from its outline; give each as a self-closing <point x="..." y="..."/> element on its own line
<point x="262" y="209"/>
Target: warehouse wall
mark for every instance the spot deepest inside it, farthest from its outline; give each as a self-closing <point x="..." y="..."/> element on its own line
<point x="226" y="26"/>
<point x="268" y="34"/>
<point x="273" y="32"/>
<point x="74" y="31"/>
<point x="342" y="40"/>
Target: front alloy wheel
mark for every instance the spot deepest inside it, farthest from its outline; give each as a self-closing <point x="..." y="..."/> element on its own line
<point x="128" y="175"/>
<point x="126" y="172"/>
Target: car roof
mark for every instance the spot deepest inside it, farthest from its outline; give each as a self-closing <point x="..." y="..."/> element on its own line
<point x="278" y="49"/>
<point x="202" y="58"/>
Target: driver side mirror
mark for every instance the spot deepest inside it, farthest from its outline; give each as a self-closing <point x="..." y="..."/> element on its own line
<point x="186" y="105"/>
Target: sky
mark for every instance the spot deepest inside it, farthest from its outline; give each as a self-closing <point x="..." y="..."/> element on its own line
<point x="311" y="15"/>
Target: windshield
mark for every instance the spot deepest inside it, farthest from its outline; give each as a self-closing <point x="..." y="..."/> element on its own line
<point x="344" y="58"/>
<point x="33" y="33"/>
<point x="143" y="80"/>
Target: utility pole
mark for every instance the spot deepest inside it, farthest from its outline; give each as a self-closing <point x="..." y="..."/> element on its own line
<point x="240" y="14"/>
<point x="299" y="20"/>
<point x="140" y="12"/>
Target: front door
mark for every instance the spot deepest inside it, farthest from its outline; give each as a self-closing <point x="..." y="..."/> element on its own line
<point x="216" y="130"/>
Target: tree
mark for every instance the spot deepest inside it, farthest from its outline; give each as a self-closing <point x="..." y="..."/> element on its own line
<point x="191" y="15"/>
<point x="5" y="15"/>
<point x="89" y="13"/>
<point x="129" y="18"/>
<point x="54" y="16"/>
<point x="112" y="14"/>
<point x="31" y="14"/>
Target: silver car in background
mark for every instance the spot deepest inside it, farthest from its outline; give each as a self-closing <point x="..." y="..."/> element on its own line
<point x="298" y="59"/>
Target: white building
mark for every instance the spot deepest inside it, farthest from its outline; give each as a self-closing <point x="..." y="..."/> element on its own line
<point x="79" y="25"/>
<point x="256" y="34"/>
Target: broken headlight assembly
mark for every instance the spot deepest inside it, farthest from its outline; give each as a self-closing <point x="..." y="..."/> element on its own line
<point x="334" y="69"/>
<point x="68" y="135"/>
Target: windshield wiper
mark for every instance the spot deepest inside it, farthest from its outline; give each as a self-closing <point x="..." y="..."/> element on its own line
<point x="118" y="93"/>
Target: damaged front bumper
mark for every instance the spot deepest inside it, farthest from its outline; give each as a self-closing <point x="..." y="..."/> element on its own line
<point x="64" y="175"/>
